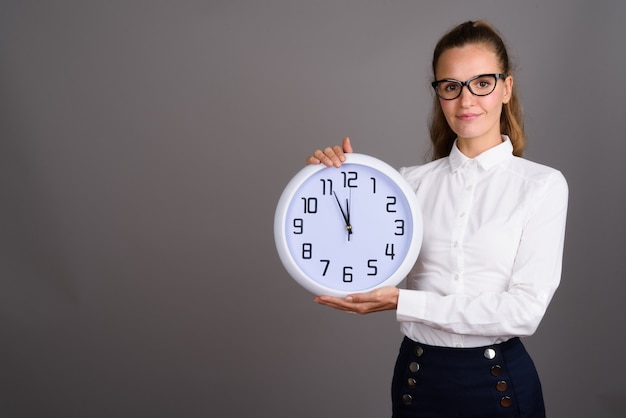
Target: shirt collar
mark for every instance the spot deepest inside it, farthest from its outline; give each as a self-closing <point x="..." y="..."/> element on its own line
<point x="487" y="159"/>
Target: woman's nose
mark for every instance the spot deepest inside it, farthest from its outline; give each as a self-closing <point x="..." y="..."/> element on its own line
<point x="466" y="97"/>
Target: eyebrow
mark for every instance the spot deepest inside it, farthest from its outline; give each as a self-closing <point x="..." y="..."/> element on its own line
<point x="476" y="75"/>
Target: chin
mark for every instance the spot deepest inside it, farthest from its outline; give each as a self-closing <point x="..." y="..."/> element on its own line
<point x="472" y="132"/>
<point x="468" y="135"/>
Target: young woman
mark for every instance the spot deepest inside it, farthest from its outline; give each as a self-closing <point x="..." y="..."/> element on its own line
<point x="490" y="262"/>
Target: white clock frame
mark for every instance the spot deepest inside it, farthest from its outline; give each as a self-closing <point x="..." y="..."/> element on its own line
<point x="280" y="226"/>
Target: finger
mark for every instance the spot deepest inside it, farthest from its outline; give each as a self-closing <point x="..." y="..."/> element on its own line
<point x="334" y="155"/>
<point x="312" y="160"/>
<point x="346" y="145"/>
<point x="361" y="298"/>
<point x="334" y="306"/>
<point x="333" y="302"/>
<point x="329" y="299"/>
<point x="320" y="157"/>
<point x="355" y="308"/>
<point x="339" y="154"/>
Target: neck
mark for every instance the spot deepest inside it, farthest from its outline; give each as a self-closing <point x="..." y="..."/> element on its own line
<point x="473" y="147"/>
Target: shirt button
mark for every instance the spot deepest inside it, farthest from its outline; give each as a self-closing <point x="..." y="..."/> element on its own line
<point x="462" y="215"/>
<point x="469" y="188"/>
<point x="456" y="277"/>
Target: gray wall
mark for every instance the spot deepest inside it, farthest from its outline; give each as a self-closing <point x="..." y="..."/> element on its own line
<point x="143" y="148"/>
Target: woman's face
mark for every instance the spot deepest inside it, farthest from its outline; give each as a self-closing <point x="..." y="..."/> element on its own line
<point x="475" y="119"/>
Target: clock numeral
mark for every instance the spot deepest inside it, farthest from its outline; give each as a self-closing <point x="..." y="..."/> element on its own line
<point x="373" y="184"/>
<point x="399" y="227"/>
<point x="372" y="265"/>
<point x="349" y="178"/>
<point x="390" y="251"/>
<point x="347" y="275"/>
<point x="327" y="262"/>
<point x="391" y="203"/>
<point x="310" y="204"/>
<point x="298" y="225"/>
<point x="307" y="251"/>
<point x="328" y="182"/>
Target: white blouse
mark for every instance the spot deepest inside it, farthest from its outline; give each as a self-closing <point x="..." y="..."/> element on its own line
<point x="491" y="256"/>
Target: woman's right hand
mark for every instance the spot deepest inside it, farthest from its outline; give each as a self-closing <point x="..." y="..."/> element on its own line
<point x="331" y="156"/>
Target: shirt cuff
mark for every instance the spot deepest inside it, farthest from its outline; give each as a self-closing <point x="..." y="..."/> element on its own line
<point x="411" y="305"/>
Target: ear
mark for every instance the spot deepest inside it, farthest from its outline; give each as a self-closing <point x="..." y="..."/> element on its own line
<point x="508" y="89"/>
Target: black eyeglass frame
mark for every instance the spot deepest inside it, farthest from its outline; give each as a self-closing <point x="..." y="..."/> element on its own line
<point x="496" y="76"/>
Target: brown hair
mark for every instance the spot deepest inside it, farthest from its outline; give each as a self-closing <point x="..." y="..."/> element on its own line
<point x="511" y="123"/>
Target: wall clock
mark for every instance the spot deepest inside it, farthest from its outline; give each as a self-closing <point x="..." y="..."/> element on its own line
<point x="350" y="229"/>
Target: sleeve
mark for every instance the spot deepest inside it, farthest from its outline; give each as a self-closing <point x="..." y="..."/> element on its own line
<point x="535" y="276"/>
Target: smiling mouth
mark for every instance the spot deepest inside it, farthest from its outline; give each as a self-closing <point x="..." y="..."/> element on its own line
<point x="468" y="116"/>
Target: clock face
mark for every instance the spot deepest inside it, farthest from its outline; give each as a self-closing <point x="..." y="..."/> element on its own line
<point x="349" y="229"/>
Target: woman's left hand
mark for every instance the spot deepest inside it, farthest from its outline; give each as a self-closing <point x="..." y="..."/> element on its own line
<point x="383" y="299"/>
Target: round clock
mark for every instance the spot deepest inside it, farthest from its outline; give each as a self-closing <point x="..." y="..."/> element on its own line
<point x="350" y="229"/>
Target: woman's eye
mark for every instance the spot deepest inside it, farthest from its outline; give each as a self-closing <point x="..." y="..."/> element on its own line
<point x="482" y="83"/>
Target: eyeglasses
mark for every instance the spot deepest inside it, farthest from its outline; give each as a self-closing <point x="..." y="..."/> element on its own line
<point x="481" y="85"/>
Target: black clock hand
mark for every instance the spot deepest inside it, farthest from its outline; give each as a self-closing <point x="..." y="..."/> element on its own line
<point x="348" y="201"/>
<point x="345" y="217"/>
<point x="348" y="208"/>
<point x="348" y="224"/>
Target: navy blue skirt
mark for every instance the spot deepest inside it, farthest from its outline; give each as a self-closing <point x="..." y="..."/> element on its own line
<point x="487" y="382"/>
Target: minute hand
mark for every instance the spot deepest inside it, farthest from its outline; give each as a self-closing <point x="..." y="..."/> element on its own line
<point x="345" y="215"/>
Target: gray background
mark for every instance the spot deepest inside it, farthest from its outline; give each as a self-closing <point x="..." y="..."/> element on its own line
<point x="143" y="148"/>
